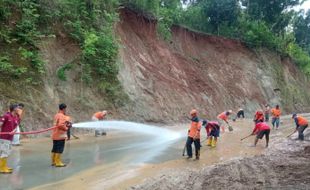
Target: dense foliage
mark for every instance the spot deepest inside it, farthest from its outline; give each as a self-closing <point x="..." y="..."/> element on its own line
<point x="18" y="34"/>
<point x="89" y="23"/>
<point x="258" y="23"/>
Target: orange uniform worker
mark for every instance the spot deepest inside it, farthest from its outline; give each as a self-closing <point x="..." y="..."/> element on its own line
<point x="301" y="125"/>
<point x="259" y="116"/>
<point x="194" y="135"/>
<point x="223" y="117"/>
<point x="275" y="112"/>
<point x="99" y="116"/>
<point x="59" y="134"/>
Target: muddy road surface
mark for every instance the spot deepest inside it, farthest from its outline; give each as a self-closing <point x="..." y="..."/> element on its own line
<point x="284" y="165"/>
<point x="132" y="161"/>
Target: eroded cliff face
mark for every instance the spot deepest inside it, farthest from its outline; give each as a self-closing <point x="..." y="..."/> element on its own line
<point x="167" y="79"/>
<point x="164" y="80"/>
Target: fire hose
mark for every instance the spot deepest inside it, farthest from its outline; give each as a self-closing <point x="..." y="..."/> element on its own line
<point x="28" y="132"/>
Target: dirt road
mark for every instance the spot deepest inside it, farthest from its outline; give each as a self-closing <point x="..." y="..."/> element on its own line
<point x="121" y="176"/>
<point x="284" y="165"/>
<point x="116" y="162"/>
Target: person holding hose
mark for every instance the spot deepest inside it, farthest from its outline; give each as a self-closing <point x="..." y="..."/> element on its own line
<point x="193" y="135"/>
<point x="8" y="123"/>
<point x="223" y="117"/>
<point x="275" y="112"/>
<point x="261" y="129"/>
<point x="301" y="125"/>
<point x="213" y="132"/>
<point x="62" y="124"/>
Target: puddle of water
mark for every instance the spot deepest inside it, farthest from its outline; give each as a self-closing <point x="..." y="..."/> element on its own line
<point x="134" y="144"/>
<point x="162" y="137"/>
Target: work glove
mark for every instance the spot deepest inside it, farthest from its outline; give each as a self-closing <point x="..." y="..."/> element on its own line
<point x="68" y="124"/>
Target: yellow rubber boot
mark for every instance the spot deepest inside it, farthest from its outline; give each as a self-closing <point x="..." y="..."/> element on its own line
<point x="58" y="162"/>
<point x="53" y="158"/>
<point x="6" y="166"/>
<point x="213" y="144"/>
<point x="209" y="141"/>
<point x="3" y="167"/>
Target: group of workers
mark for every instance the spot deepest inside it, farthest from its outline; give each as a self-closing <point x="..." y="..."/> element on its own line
<point x="261" y="127"/>
<point x="10" y="124"/>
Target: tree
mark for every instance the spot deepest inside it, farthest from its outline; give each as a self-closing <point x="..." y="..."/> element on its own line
<point x="275" y="13"/>
<point x="301" y="29"/>
<point x="220" y="12"/>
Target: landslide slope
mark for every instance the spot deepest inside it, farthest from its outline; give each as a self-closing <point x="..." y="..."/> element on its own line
<point x="167" y="79"/>
<point x="163" y="80"/>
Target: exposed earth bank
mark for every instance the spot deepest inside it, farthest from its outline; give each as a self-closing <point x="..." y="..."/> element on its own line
<point x="164" y="80"/>
<point x="193" y="70"/>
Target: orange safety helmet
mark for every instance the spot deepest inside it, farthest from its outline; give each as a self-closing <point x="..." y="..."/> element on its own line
<point x="193" y="112"/>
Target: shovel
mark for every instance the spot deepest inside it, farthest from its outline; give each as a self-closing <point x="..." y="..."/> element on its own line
<point x="246" y="137"/>
<point x="290" y="134"/>
<point x="184" y="149"/>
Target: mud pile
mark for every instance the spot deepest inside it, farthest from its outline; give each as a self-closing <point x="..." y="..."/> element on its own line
<point x="284" y="166"/>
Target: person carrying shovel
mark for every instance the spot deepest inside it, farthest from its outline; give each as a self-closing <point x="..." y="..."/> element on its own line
<point x="301" y="125"/>
<point x="193" y="135"/>
<point x="223" y="117"/>
<point x="261" y="129"/>
<point x="213" y="132"/>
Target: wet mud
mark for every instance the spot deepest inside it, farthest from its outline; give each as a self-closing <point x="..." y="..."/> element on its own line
<point x="287" y="168"/>
<point x="284" y="165"/>
<point x="233" y="164"/>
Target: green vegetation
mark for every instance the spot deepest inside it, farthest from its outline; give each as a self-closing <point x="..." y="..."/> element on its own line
<point x="18" y="35"/>
<point x="61" y="71"/>
<point x="89" y="23"/>
<point x="166" y="12"/>
<point x="24" y="23"/>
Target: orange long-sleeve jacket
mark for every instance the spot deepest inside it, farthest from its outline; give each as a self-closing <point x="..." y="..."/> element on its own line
<point x="99" y="115"/>
<point x="275" y="112"/>
<point x="224" y="116"/>
<point x="195" y="127"/>
<point x="60" y="121"/>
